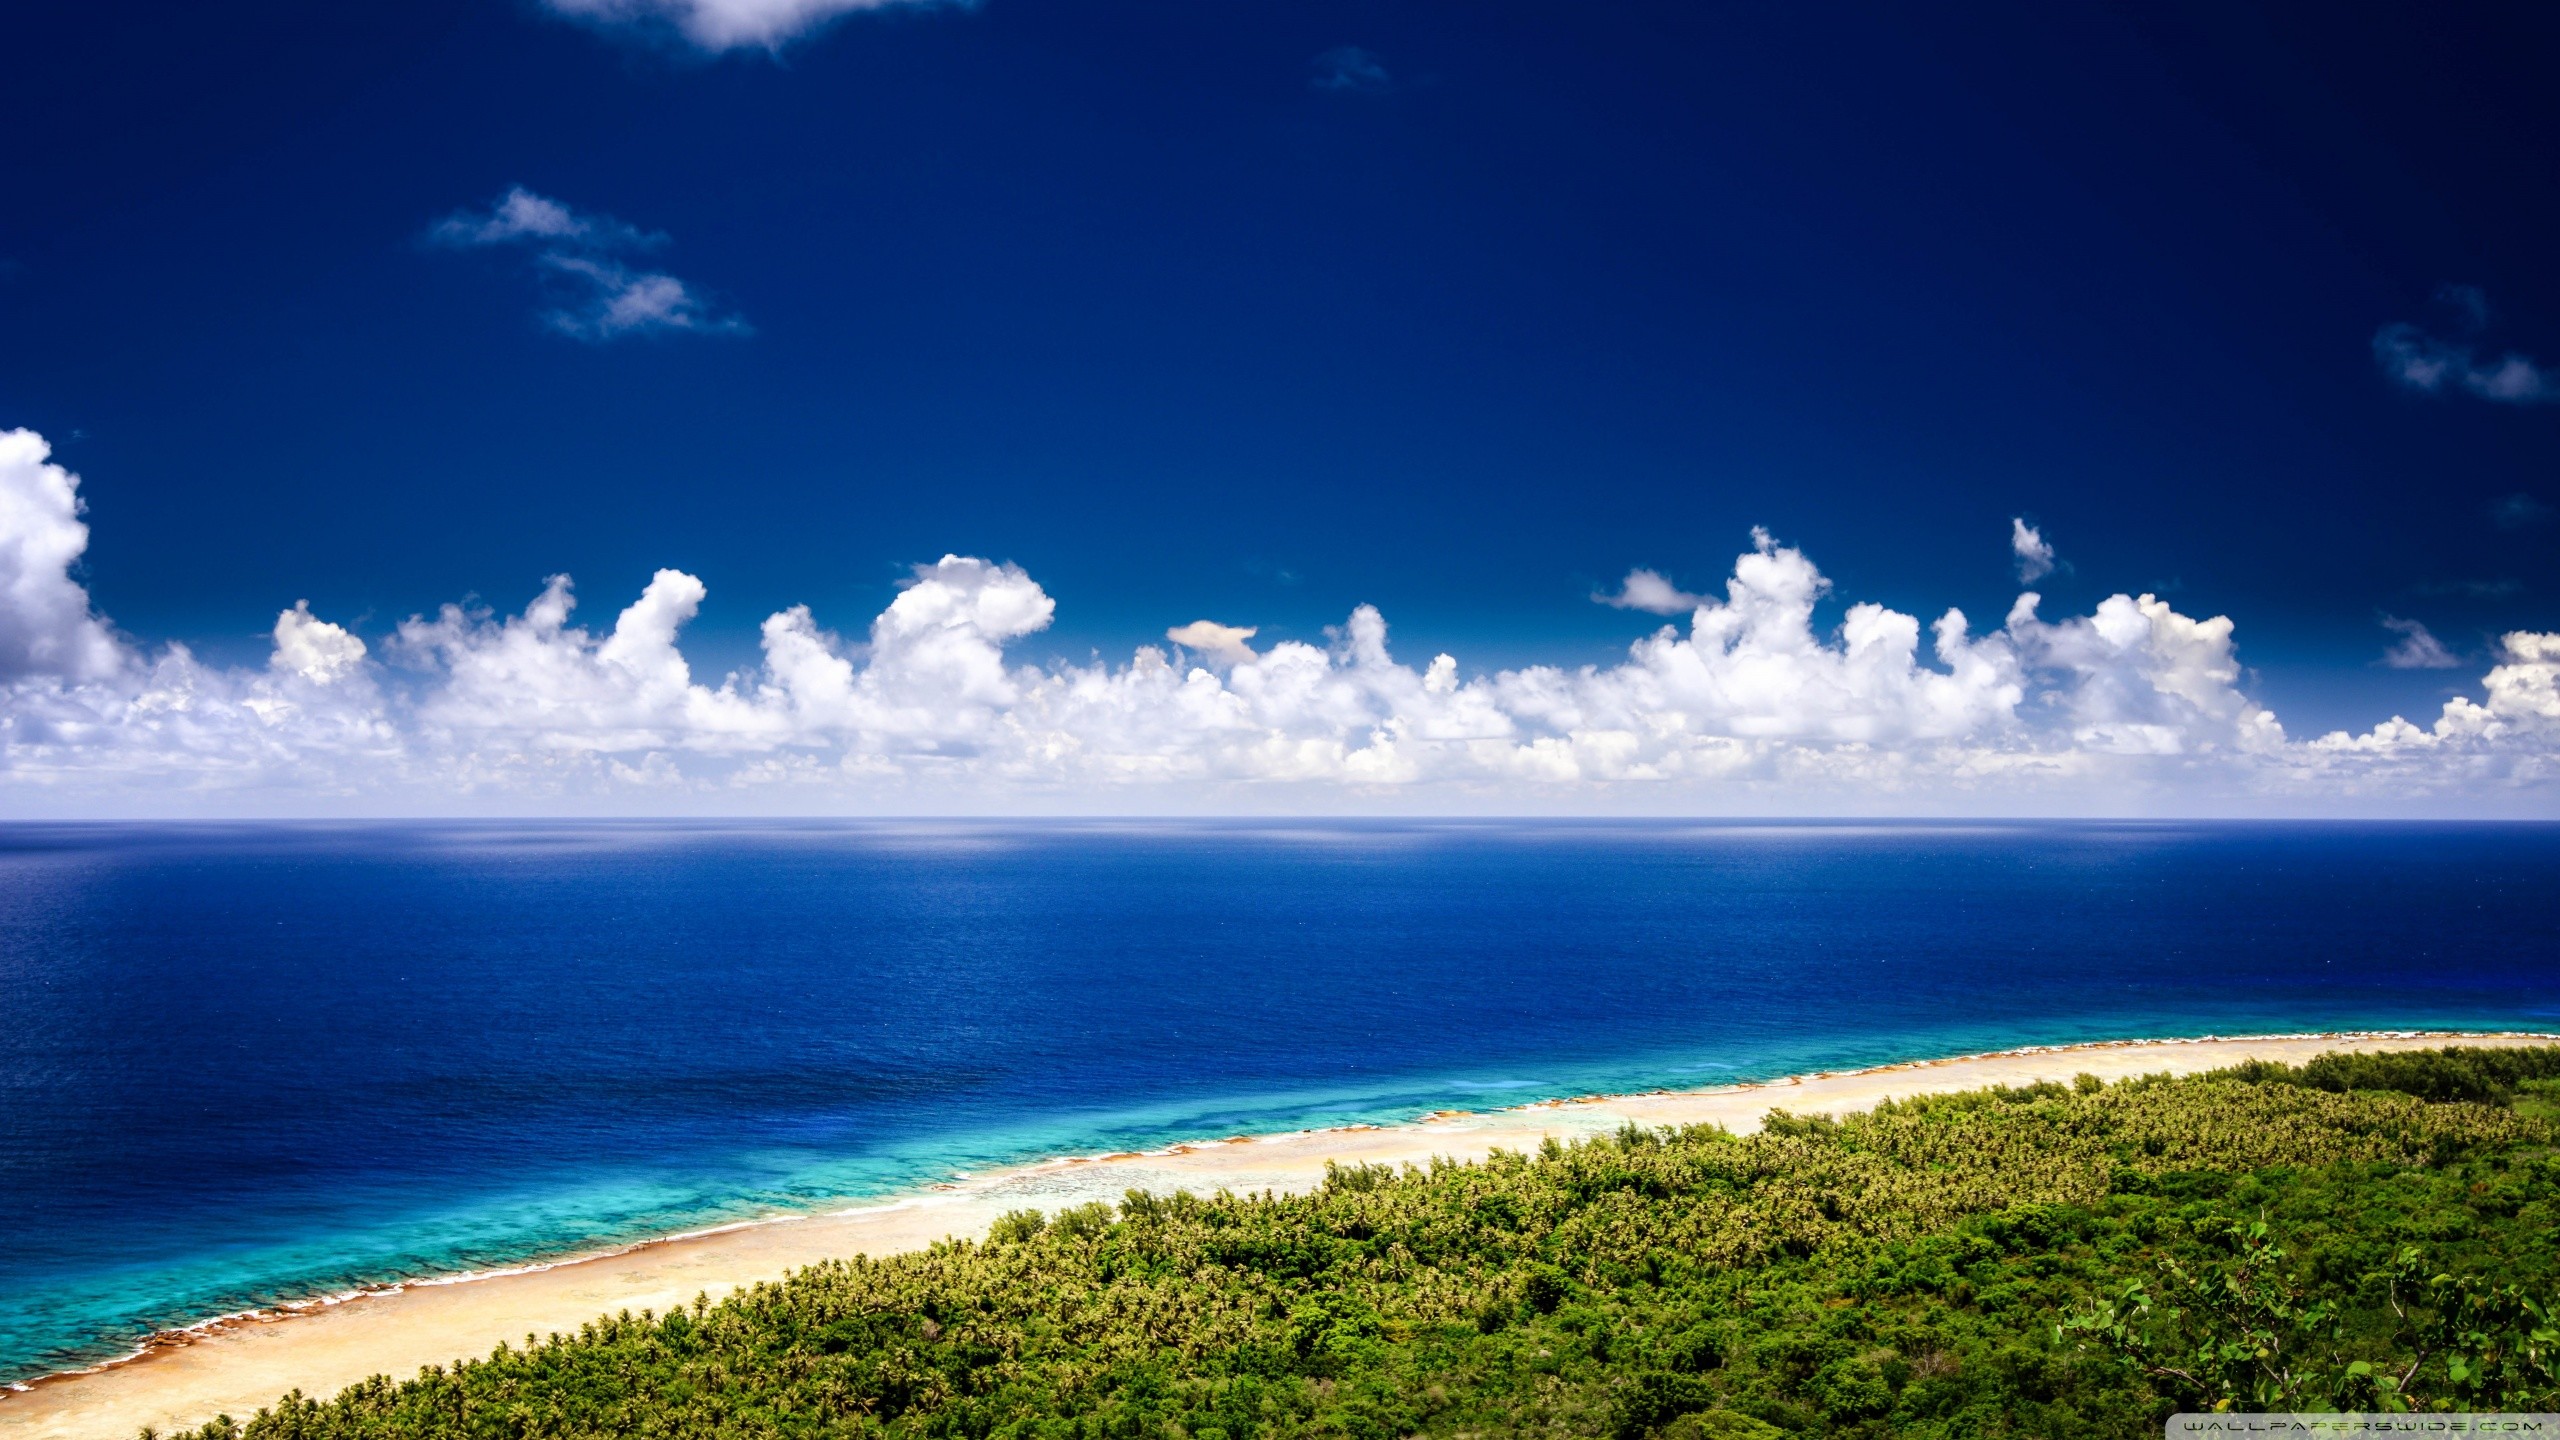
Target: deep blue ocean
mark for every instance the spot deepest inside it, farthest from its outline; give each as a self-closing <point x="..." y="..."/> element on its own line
<point x="242" y="1064"/>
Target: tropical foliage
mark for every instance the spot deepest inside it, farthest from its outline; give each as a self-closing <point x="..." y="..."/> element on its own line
<point x="2364" y="1231"/>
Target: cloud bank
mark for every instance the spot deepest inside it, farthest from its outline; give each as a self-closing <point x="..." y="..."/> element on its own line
<point x="1744" y="705"/>
<point x="581" y="261"/>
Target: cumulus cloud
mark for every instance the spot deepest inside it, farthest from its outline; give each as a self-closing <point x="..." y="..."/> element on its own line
<point x="1350" y="68"/>
<point x="2508" y="740"/>
<point x="598" y="294"/>
<point x="535" y="682"/>
<point x="312" y="648"/>
<point x="2144" y="679"/>
<point x="1743" y="702"/>
<point x="46" y="626"/>
<point x="2417" y="359"/>
<point x="1648" y="591"/>
<point x="82" y="710"/>
<point x="2035" y="554"/>
<point x="718" y="25"/>
<point x="2417" y="648"/>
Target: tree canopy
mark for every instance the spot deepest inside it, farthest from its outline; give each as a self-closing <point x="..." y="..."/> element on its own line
<point x="2362" y="1232"/>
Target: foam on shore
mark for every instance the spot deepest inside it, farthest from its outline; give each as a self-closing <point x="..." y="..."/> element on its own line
<point x="234" y="1364"/>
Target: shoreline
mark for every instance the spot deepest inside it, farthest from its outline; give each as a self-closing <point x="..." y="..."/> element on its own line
<point x="239" y="1362"/>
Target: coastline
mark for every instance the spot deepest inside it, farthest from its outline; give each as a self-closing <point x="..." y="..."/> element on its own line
<point x="237" y="1363"/>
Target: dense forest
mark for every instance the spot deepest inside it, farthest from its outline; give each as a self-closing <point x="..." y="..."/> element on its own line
<point x="2364" y="1232"/>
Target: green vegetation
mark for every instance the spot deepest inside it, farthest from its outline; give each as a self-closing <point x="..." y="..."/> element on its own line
<point x="2366" y="1231"/>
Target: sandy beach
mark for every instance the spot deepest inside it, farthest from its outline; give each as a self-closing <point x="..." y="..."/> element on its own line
<point x="239" y="1365"/>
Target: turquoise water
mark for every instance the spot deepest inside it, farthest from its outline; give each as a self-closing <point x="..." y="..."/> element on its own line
<point x="248" y="1064"/>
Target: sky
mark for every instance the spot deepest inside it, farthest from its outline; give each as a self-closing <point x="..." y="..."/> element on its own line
<point x="1079" y="405"/>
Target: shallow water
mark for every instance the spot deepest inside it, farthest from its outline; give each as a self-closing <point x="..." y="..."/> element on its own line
<point x="243" y="1064"/>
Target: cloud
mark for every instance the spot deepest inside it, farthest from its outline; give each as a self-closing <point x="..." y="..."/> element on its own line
<point x="578" y="257"/>
<point x="2518" y="512"/>
<point x="2467" y="304"/>
<point x="312" y="648"/>
<point x="1751" y="667"/>
<point x="534" y="687"/>
<point x="46" y="625"/>
<point x="2476" y="589"/>
<point x="521" y="216"/>
<point x="2035" y="555"/>
<point x="719" y="25"/>
<point x="1350" y="68"/>
<point x="2510" y="739"/>
<point x="2417" y="648"/>
<point x="2418" y="360"/>
<point x="615" y="301"/>
<point x="2144" y="679"/>
<point x="1223" y="643"/>
<point x="83" y="710"/>
<point x="1744" y="703"/>
<point x="1648" y="591"/>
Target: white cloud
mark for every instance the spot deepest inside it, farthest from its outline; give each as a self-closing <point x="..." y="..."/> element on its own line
<point x="312" y="648"/>
<point x="2475" y="749"/>
<point x="84" y="713"/>
<point x="718" y="25"/>
<point x="1648" y="591"/>
<point x="46" y="626"/>
<point x="1744" y="705"/>
<point x="2035" y="554"/>
<point x="2144" y="679"/>
<point x="601" y="297"/>
<point x="535" y="685"/>
<point x="2417" y="648"/>
<point x="1751" y="667"/>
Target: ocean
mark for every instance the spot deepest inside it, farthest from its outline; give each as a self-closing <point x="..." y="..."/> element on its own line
<point x="247" y="1064"/>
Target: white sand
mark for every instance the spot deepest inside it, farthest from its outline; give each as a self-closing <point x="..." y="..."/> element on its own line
<point x="237" y="1366"/>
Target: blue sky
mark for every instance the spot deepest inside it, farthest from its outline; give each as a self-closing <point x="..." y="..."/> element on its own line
<point x="1258" y="313"/>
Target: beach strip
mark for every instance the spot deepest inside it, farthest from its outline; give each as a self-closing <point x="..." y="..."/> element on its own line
<point x="238" y="1364"/>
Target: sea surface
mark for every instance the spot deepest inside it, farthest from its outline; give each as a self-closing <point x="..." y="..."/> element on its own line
<point x="247" y="1064"/>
